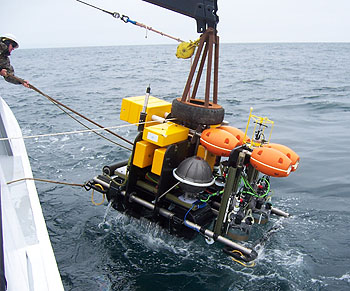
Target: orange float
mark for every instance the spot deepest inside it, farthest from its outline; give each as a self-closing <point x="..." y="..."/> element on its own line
<point x="293" y="156"/>
<point x="218" y="142"/>
<point x="236" y="132"/>
<point x="271" y="162"/>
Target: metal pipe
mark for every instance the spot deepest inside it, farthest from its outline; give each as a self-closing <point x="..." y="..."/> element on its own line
<point x="279" y="212"/>
<point x="216" y="70"/>
<point x="164" y="212"/>
<point x="209" y="71"/>
<point x="200" y="70"/>
<point x="109" y="170"/>
<point x="223" y="240"/>
<point x="193" y="68"/>
<point x="158" y="118"/>
<point x="230" y="184"/>
<point x="104" y="184"/>
<point x="168" y="214"/>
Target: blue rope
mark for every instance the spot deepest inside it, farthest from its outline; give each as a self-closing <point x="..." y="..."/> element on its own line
<point x="193" y="205"/>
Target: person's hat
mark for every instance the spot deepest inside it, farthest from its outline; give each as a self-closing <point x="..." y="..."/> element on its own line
<point x="10" y="37"/>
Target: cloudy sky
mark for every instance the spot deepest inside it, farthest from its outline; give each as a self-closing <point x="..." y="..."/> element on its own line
<point x="66" y="23"/>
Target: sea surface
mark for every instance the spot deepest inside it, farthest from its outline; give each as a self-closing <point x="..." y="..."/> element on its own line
<point x="303" y="87"/>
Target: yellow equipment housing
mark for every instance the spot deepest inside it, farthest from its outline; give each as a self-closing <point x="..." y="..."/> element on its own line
<point x="158" y="159"/>
<point x="150" y="151"/>
<point x="132" y="107"/>
<point x="144" y="152"/>
<point x="203" y="153"/>
<point x="165" y="134"/>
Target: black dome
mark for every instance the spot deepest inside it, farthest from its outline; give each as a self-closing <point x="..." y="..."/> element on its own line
<point x="194" y="173"/>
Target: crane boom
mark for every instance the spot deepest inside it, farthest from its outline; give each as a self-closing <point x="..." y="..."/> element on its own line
<point x="203" y="11"/>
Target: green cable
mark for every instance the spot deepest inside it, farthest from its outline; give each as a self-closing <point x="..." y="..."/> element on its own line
<point x="151" y="179"/>
<point x="268" y="186"/>
<point x="211" y="195"/>
<point x="247" y="184"/>
<point x="254" y="193"/>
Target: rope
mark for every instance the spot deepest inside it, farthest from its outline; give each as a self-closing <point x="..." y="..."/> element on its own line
<point x="92" y="196"/>
<point x="90" y="129"/>
<point x="44" y="180"/>
<point x="64" y="183"/>
<point x="57" y="133"/>
<point x="126" y="19"/>
<point x="250" y="265"/>
<point x="78" y="131"/>
<point x="114" y="14"/>
<point x="157" y="31"/>
<point x="59" y="104"/>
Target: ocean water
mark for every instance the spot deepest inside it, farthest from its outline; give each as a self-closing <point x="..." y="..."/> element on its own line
<point x="304" y="88"/>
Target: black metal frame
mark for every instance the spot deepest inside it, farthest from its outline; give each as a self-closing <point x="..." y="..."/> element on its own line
<point x="203" y="11"/>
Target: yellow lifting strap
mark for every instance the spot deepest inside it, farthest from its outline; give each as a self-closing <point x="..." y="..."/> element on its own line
<point x="185" y="50"/>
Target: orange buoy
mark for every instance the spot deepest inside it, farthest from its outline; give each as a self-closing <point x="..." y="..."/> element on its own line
<point x="236" y="132"/>
<point x="218" y="142"/>
<point x="271" y="162"/>
<point x="293" y="156"/>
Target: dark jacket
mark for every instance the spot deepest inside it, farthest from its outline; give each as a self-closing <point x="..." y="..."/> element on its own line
<point x="5" y="63"/>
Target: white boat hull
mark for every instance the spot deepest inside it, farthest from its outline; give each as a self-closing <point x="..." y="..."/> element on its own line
<point x="29" y="260"/>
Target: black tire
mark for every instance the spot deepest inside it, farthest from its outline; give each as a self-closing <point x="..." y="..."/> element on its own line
<point x="195" y="113"/>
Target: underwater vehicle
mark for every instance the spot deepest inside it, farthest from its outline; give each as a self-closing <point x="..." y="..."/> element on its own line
<point x="189" y="171"/>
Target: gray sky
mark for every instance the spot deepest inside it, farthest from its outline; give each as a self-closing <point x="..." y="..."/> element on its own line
<point x="62" y="23"/>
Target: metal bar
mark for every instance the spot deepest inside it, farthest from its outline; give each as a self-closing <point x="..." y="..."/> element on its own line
<point x="104" y="184"/>
<point x="200" y="70"/>
<point x="222" y="239"/>
<point x="168" y="214"/>
<point x="279" y="212"/>
<point x="167" y="191"/>
<point x="109" y="170"/>
<point x="216" y="71"/>
<point x="193" y="68"/>
<point x="164" y="212"/>
<point x="225" y="199"/>
<point x="209" y="64"/>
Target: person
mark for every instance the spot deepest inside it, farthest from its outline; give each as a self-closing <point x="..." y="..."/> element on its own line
<point x="8" y="43"/>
